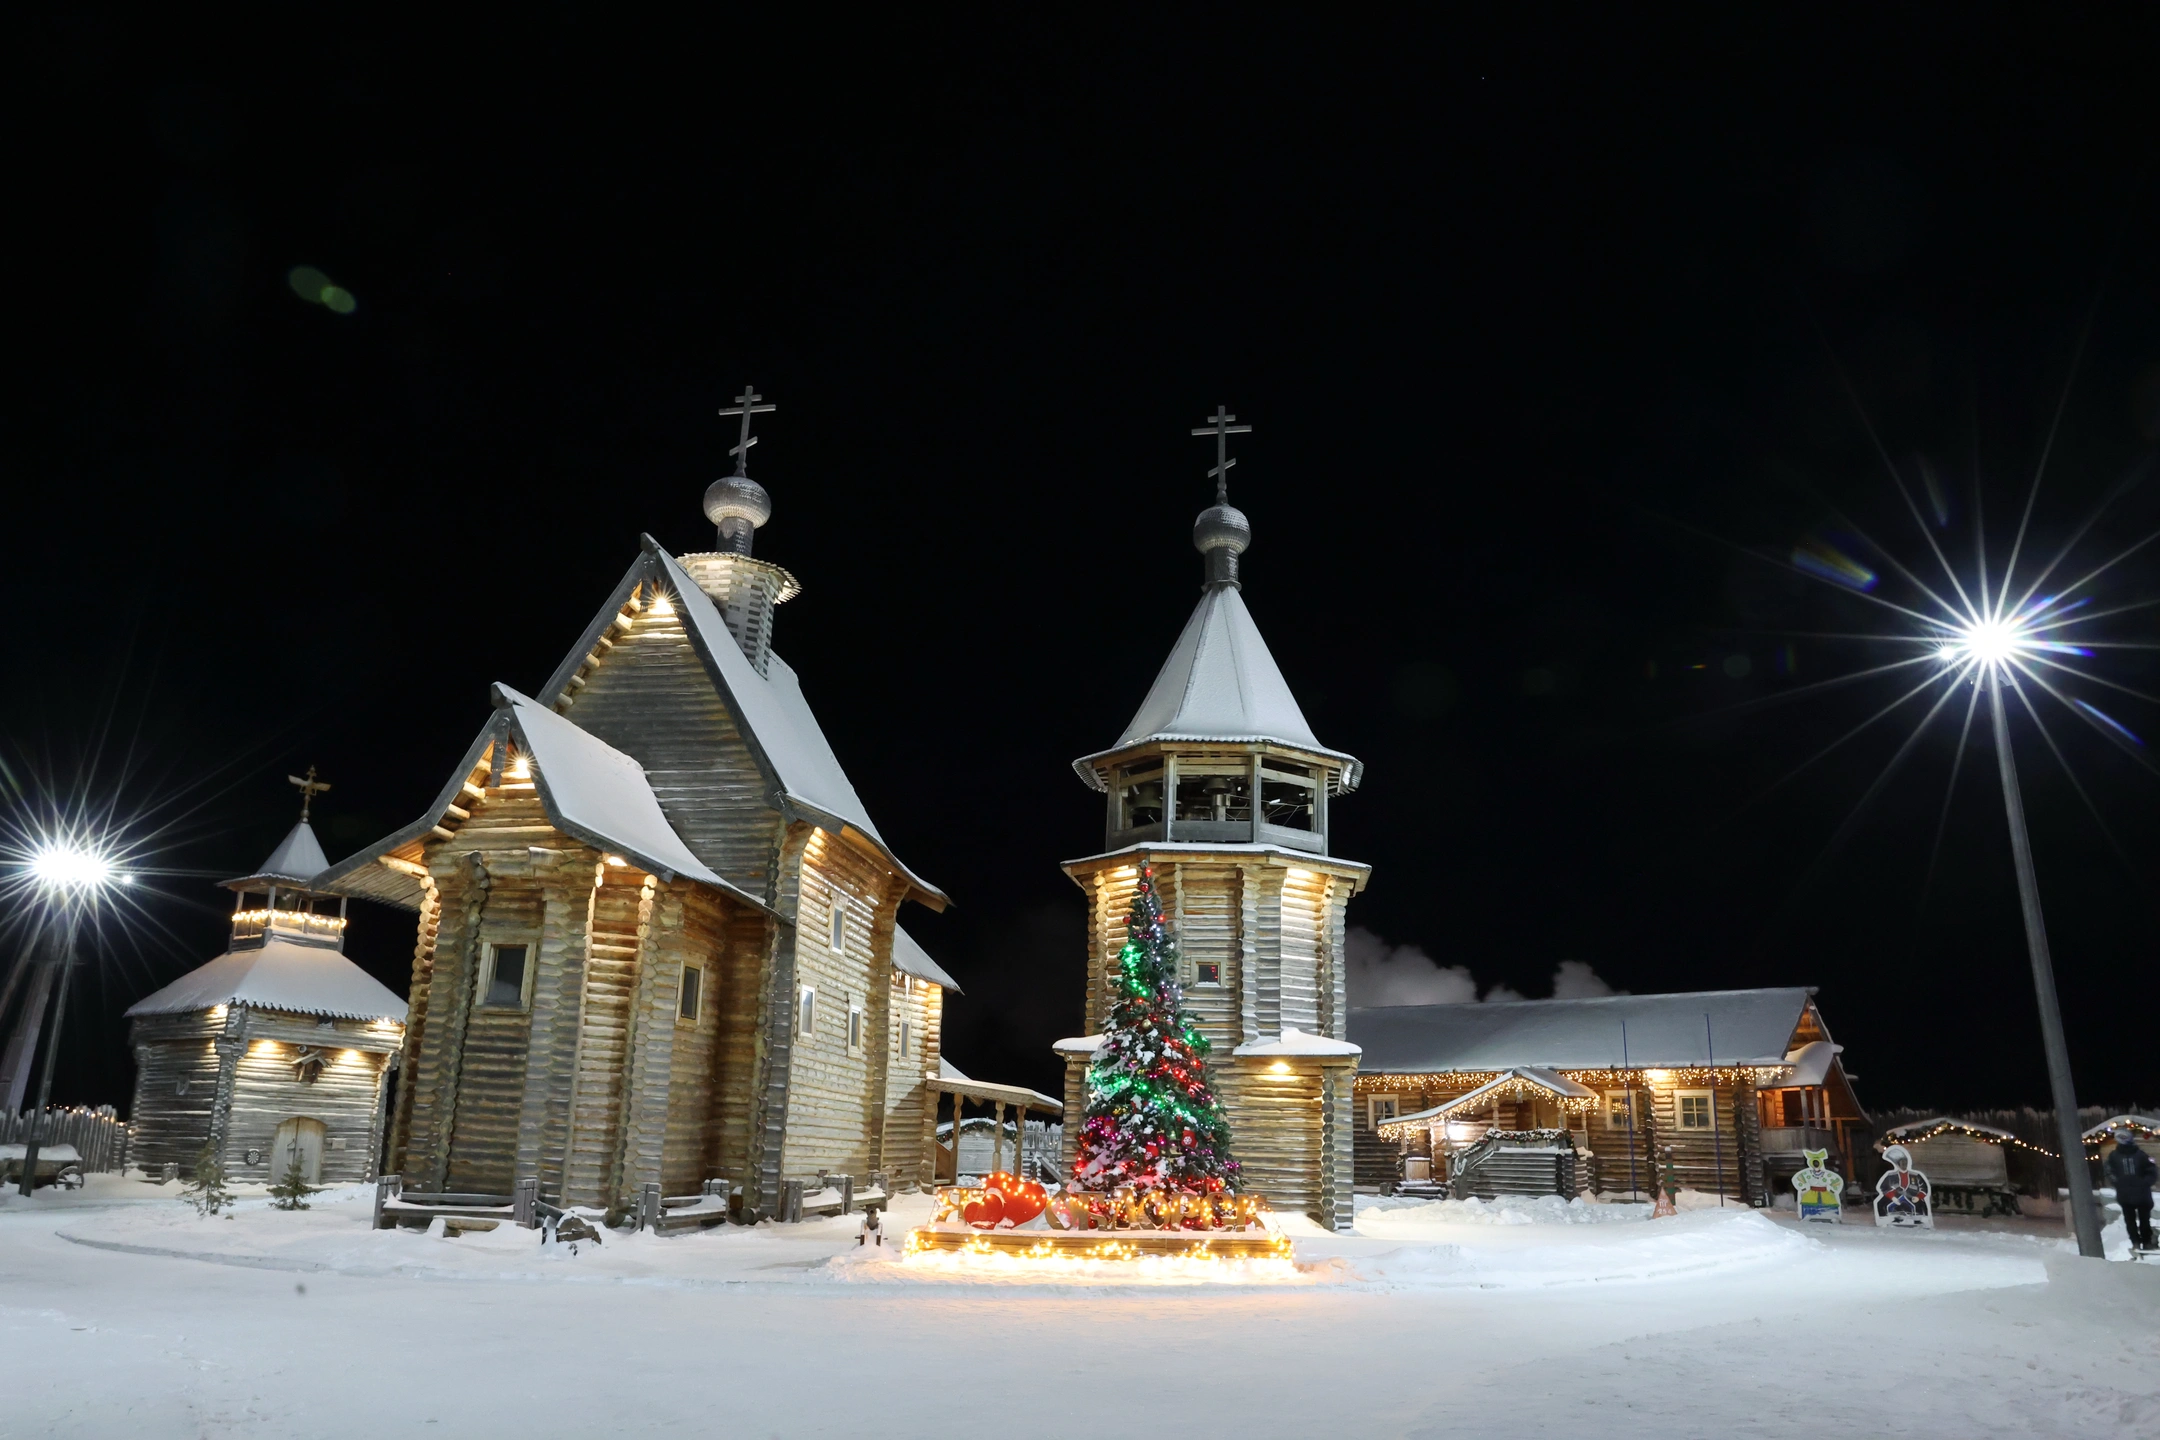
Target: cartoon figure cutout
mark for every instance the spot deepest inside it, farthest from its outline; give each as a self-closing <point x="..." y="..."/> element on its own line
<point x="1901" y="1196"/>
<point x="1819" y="1188"/>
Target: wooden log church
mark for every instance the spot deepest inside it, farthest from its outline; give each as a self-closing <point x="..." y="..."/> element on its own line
<point x="658" y="932"/>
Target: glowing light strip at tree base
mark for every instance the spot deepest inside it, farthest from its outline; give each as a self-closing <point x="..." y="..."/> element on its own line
<point x="1097" y="1245"/>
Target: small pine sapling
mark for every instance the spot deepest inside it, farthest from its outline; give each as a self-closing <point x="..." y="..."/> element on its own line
<point x="291" y="1192"/>
<point x="206" y="1191"/>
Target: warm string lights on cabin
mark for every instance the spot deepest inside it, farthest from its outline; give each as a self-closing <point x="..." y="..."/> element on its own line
<point x="1970" y="1132"/>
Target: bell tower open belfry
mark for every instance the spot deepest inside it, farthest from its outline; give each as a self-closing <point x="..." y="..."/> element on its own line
<point x="1219" y="784"/>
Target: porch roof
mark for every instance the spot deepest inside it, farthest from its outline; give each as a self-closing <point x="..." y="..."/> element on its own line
<point x="947" y="1079"/>
<point x="1512" y="1082"/>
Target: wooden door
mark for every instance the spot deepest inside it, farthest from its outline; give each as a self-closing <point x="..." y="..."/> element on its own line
<point x="299" y="1138"/>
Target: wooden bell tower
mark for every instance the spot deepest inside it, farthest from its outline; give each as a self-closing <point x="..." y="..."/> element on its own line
<point x="1219" y="784"/>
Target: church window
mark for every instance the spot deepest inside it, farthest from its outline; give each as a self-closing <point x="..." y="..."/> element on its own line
<point x="1692" y="1109"/>
<point x="839" y="925"/>
<point x="686" y="1004"/>
<point x="1208" y="972"/>
<point x="507" y="973"/>
<point x="1382" y="1108"/>
<point x="854" y="1029"/>
<point x="906" y="1034"/>
<point x="806" y="1011"/>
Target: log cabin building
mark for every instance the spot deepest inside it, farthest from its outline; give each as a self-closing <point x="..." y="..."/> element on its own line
<point x="278" y="1050"/>
<point x="1220" y="785"/>
<point x="657" y="929"/>
<point x="1567" y="1096"/>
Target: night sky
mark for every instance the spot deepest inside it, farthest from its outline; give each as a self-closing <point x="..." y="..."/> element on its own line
<point x="1546" y="333"/>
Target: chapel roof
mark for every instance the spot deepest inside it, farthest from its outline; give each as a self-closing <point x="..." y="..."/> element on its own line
<point x="279" y="974"/>
<point x="297" y="860"/>
<point x="1729" y="1027"/>
<point x="909" y="958"/>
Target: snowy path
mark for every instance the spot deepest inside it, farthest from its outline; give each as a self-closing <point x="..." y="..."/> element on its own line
<point x="1742" y="1327"/>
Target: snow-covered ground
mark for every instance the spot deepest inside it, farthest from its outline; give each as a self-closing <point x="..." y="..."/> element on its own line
<point x="123" y="1313"/>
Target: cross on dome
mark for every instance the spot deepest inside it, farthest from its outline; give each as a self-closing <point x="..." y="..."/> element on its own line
<point x="309" y="788"/>
<point x="746" y="405"/>
<point x="1219" y="425"/>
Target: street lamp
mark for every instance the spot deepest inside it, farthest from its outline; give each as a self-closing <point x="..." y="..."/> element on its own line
<point x="1991" y="645"/>
<point x="70" y="875"/>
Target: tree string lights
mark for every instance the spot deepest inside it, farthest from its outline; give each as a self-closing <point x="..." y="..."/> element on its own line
<point x="1152" y="1120"/>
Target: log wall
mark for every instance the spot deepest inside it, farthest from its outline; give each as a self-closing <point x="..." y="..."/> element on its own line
<point x="830" y="1099"/>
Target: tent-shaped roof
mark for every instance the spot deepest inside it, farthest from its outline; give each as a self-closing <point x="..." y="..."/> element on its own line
<point x="1220" y="683"/>
<point x="1745" y="1027"/>
<point x="589" y="789"/>
<point x="279" y="975"/>
<point x="297" y="860"/>
<point x="910" y="958"/>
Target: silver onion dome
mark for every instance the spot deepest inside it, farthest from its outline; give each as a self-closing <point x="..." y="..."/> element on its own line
<point x="738" y="505"/>
<point x="1221" y="534"/>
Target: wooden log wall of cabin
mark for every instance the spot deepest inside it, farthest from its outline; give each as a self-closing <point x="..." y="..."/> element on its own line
<point x="1277" y="1134"/>
<point x="231" y="1044"/>
<point x="651" y="1041"/>
<point x="830" y="1116"/>
<point x="1338" y="1199"/>
<point x="740" y="970"/>
<point x="881" y="1013"/>
<point x="777" y="1007"/>
<point x="911" y="1103"/>
<point x="603" y="1048"/>
<point x="646" y="691"/>
<point x="416" y="1005"/>
<point x="1747" y="1127"/>
<point x="172" y="1051"/>
<point x="1696" y="1153"/>
<point x="490" y="1070"/>
<point x="564" y="876"/>
<point x="267" y="1090"/>
<point x="460" y="881"/>
<point x="698" y="926"/>
<point x="1206" y="905"/>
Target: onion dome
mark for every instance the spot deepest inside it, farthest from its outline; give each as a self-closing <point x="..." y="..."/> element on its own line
<point x="738" y="505"/>
<point x="1221" y="534"/>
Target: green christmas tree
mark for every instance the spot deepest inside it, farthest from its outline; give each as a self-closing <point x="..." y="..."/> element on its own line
<point x="206" y="1191"/>
<point x="291" y="1192"/>
<point x="1152" y="1120"/>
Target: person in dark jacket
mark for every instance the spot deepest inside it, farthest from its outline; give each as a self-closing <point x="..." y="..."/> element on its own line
<point x="2132" y="1172"/>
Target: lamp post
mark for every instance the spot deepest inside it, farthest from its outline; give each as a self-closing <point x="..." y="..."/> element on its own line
<point x="2084" y="1209"/>
<point x="70" y="876"/>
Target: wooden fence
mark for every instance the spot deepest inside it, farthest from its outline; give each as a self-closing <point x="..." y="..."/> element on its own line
<point x="99" y="1136"/>
<point x="2031" y="1171"/>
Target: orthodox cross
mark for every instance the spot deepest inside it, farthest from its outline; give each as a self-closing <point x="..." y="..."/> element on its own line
<point x="1220" y="427"/>
<point x="309" y="787"/>
<point x="746" y="405"/>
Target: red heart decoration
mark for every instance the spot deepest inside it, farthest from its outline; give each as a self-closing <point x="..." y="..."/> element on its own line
<point x="985" y="1213"/>
<point x="1024" y="1199"/>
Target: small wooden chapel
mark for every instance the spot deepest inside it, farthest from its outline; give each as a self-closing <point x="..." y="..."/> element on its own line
<point x="658" y="932"/>
<point x="279" y="1050"/>
<point x="1219" y="784"/>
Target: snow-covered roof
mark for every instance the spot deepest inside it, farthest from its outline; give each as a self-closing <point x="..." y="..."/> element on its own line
<point x="1811" y="1063"/>
<point x="589" y="789"/>
<point x="1918" y="1128"/>
<point x="2144" y="1124"/>
<point x="279" y="975"/>
<point x="947" y="1077"/>
<point x="1078" y="1045"/>
<point x="1508" y="1081"/>
<point x="910" y="958"/>
<point x="595" y="792"/>
<point x="1292" y="1043"/>
<point x="1221" y="683"/>
<point x="776" y="720"/>
<point x="298" y="859"/>
<point x="1745" y="1027"/>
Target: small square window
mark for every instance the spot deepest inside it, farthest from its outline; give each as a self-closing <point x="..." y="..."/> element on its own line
<point x="693" y="982"/>
<point x="1692" y="1109"/>
<point x="1208" y="972"/>
<point x="1382" y="1108"/>
<point x="839" y="927"/>
<point x="806" y="1011"/>
<point x="1617" y="1114"/>
<point x="854" y="1028"/>
<point x="506" y="978"/>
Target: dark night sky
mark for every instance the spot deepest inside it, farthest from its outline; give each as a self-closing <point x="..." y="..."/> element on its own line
<point x="1540" y="328"/>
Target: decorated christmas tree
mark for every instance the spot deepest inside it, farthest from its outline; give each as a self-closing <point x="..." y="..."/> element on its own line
<point x="1152" y="1120"/>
